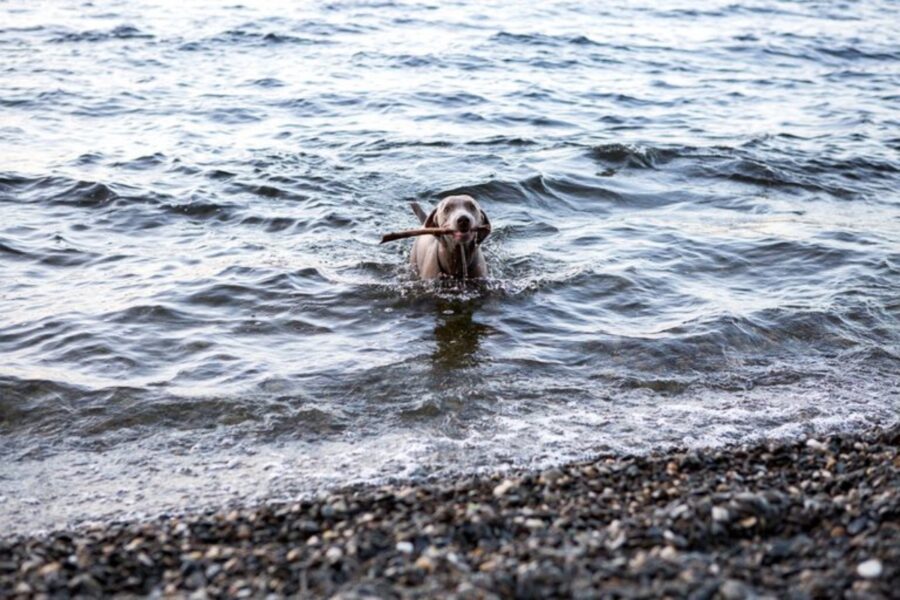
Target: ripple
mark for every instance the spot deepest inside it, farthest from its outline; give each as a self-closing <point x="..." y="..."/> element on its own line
<point x="252" y="38"/>
<point x="540" y="39"/>
<point x="120" y="32"/>
<point x="633" y="156"/>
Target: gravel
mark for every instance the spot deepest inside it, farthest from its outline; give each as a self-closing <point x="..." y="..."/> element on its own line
<point x="808" y="519"/>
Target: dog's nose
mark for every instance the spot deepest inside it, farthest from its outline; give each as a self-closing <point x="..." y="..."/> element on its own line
<point x="463" y="223"/>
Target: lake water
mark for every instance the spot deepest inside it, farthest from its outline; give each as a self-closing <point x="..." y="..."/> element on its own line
<point x="696" y="239"/>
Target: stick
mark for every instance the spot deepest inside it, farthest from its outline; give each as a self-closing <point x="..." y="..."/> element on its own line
<point x="399" y="235"/>
<point x="465" y="263"/>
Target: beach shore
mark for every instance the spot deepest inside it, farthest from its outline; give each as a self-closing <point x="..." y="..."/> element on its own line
<point x="809" y="518"/>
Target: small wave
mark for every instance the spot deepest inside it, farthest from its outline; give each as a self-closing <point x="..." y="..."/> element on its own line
<point x="11" y="250"/>
<point x="246" y="37"/>
<point x="69" y="257"/>
<point x="121" y="32"/>
<point x="271" y="224"/>
<point x="397" y="61"/>
<point x="149" y="161"/>
<point x="200" y="210"/>
<point x="641" y="157"/>
<point x="303" y="106"/>
<point x="233" y="115"/>
<point x="266" y="190"/>
<point x="541" y="39"/>
<point x="84" y="193"/>
<point x="46" y="408"/>
<point x="268" y="82"/>
<point x="854" y="53"/>
<point x="450" y="99"/>
<point x="328" y="29"/>
<point x="152" y="314"/>
<point x="15" y="102"/>
<point x="26" y="29"/>
<point x="63" y="191"/>
<point x="554" y="193"/>
<point x="502" y="140"/>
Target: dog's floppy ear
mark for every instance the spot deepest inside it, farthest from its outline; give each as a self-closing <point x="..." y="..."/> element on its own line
<point x="431" y="221"/>
<point x="486" y="231"/>
<point x="417" y="210"/>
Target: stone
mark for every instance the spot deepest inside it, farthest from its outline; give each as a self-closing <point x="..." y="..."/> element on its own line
<point x="720" y="514"/>
<point x="732" y="589"/>
<point x="870" y="569"/>
<point x="504" y="487"/>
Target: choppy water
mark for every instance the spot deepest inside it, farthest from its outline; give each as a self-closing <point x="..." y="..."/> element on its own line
<point x="696" y="239"/>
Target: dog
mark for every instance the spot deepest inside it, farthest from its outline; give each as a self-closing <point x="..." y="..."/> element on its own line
<point x="456" y="255"/>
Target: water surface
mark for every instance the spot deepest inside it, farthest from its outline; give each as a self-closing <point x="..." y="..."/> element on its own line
<point x="696" y="239"/>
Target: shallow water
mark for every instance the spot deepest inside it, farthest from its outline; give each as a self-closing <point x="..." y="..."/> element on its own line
<point x="696" y="240"/>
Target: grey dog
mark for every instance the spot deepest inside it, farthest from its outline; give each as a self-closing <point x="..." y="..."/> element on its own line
<point x="452" y="255"/>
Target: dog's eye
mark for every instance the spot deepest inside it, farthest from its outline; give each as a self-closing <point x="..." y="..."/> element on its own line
<point x="469" y="205"/>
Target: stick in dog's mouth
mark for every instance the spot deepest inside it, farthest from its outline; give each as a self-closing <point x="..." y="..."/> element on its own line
<point x="399" y="235"/>
<point x="465" y="261"/>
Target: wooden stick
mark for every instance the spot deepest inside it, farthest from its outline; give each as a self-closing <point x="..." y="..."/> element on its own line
<point x="399" y="235"/>
<point x="465" y="262"/>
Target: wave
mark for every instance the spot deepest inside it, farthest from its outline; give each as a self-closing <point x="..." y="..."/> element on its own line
<point x="120" y="32"/>
<point x="541" y="39"/>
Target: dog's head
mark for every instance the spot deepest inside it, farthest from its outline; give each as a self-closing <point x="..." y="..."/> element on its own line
<point x="464" y="216"/>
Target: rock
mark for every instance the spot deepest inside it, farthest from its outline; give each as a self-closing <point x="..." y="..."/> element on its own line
<point x="144" y="559"/>
<point x="551" y="476"/>
<point x="49" y="569"/>
<point x="720" y="514"/>
<point x="816" y="445"/>
<point x="668" y="553"/>
<point x="869" y="569"/>
<point x="748" y="522"/>
<point x="405" y="547"/>
<point x="23" y="588"/>
<point x="857" y="525"/>
<point x="617" y="542"/>
<point x="293" y="554"/>
<point x="732" y="589"/>
<point x="504" y="487"/>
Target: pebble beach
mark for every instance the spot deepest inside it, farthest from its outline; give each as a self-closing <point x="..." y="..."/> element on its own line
<point x="814" y="518"/>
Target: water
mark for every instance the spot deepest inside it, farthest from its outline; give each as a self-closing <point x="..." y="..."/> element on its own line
<point x="696" y="239"/>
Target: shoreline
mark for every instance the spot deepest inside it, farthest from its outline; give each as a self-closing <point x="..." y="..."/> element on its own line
<point x="808" y="518"/>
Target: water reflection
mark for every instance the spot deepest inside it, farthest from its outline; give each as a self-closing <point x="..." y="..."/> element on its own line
<point x="457" y="334"/>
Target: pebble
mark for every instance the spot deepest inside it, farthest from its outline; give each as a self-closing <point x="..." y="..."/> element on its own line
<point x="816" y="445"/>
<point x="668" y="553"/>
<point x="869" y="569"/>
<point x="504" y="488"/>
<point x="551" y="476"/>
<point x="732" y="589"/>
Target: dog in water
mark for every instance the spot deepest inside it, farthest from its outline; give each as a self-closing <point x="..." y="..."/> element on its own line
<point x="457" y="254"/>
